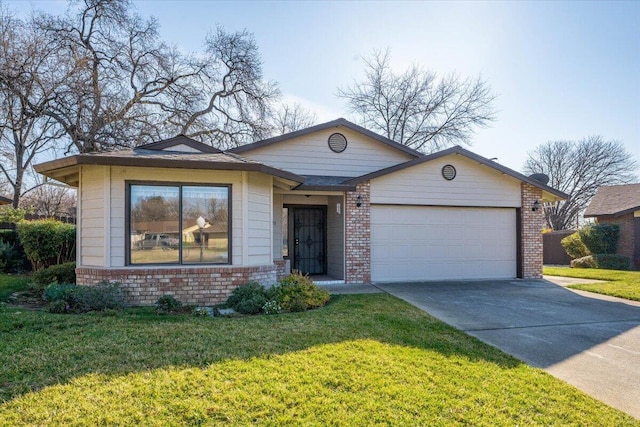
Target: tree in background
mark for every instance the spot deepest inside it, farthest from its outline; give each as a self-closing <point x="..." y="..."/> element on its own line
<point x="418" y="108"/>
<point x="578" y="168"/>
<point x="26" y="59"/>
<point x="50" y="201"/>
<point x="290" y="118"/>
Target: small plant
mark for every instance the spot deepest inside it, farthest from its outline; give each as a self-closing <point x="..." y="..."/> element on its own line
<point x="271" y="307"/>
<point x="82" y="299"/>
<point x="584" y="262"/>
<point x="203" y="311"/>
<point x="168" y="304"/>
<point x="60" y="273"/>
<point x="297" y="292"/>
<point x="249" y="298"/>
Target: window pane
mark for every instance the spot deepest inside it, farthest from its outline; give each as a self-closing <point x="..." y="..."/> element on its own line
<point x="154" y="224"/>
<point x="207" y="241"/>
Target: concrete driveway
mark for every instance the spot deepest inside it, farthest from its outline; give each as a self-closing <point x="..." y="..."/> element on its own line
<point x="590" y="342"/>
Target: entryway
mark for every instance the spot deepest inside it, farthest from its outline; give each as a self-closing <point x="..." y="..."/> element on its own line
<point x="309" y="239"/>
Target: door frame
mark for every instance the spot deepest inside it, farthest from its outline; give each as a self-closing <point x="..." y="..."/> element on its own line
<point x="290" y="233"/>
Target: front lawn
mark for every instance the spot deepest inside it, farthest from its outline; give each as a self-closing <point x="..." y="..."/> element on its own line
<point x="361" y="360"/>
<point x="623" y="284"/>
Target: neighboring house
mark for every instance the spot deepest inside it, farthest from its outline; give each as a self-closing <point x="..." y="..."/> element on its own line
<point x="334" y="200"/>
<point x="620" y="204"/>
<point x="5" y="201"/>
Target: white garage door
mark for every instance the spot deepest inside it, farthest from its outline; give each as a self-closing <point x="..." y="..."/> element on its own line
<point x="414" y="243"/>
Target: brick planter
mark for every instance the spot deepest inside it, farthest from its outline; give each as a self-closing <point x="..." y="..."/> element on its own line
<point x="191" y="285"/>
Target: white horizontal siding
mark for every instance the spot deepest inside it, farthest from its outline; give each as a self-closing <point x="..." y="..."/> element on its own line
<point x="91" y="220"/>
<point x="277" y="226"/>
<point x="310" y="154"/>
<point x="423" y="184"/>
<point x="259" y="231"/>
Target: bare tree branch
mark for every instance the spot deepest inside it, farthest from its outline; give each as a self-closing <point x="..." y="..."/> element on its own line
<point x="416" y="107"/>
<point x="578" y="168"/>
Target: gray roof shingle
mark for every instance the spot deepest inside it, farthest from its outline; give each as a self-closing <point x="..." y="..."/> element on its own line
<point x="614" y="200"/>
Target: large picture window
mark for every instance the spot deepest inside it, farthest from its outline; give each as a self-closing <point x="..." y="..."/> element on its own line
<point x="178" y="224"/>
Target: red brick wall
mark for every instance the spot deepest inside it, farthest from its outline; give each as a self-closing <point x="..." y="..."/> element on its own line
<point x="190" y="285"/>
<point x="532" y="224"/>
<point x="281" y="268"/>
<point x="358" y="235"/>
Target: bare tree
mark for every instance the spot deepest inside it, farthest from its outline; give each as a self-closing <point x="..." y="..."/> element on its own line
<point x="290" y="118"/>
<point x="578" y="168"/>
<point x="51" y="201"/>
<point x="112" y="68"/>
<point x="417" y="107"/>
<point x="25" y="58"/>
<point x="225" y="100"/>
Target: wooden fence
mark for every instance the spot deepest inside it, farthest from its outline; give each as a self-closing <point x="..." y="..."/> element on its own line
<point x="552" y="250"/>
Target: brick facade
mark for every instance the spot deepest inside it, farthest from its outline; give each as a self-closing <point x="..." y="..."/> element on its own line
<point x="626" y="243"/>
<point x="281" y="268"/>
<point x="531" y="232"/>
<point x="190" y="285"/>
<point x="358" y="235"/>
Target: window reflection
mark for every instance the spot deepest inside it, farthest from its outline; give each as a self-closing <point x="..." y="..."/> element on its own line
<point x="157" y="237"/>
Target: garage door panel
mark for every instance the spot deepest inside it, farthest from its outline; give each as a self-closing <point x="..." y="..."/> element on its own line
<point x="432" y="243"/>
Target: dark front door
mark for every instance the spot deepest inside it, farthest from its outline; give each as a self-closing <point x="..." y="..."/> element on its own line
<point x="309" y="240"/>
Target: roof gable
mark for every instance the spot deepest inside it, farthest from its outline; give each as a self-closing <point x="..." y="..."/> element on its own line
<point x="614" y="200"/>
<point x="180" y="143"/>
<point x="466" y="153"/>
<point x="328" y="125"/>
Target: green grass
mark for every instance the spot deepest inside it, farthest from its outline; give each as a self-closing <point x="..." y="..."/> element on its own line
<point x="361" y="360"/>
<point x="10" y="284"/>
<point x="623" y="284"/>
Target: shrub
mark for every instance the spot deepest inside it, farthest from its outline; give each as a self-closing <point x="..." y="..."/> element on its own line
<point x="81" y="299"/>
<point x="61" y="273"/>
<point x="59" y="307"/>
<point x="584" y="262"/>
<point x="47" y="242"/>
<point x="574" y="247"/>
<point x="16" y="260"/>
<point x="59" y="292"/>
<point x="249" y="298"/>
<point x="297" y="292"/>
<point x="271" y="307"/>
<point x="10" y="259"/>
<point x="601" y="238"/>
<point x="612" y="261"/>
<point x="168" y="304"/>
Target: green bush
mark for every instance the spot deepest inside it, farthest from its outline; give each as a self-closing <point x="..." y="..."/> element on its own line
<point x="297" y="292"/>
<point x="16" y="260"/>
<point x="612" y="261"/>
<point x="601" y="238"/>
<point x="47" y="242"/>
<point x="59" y="292"/>
<point x="168" y="304"/>
<point x="58" y="306"/>
<point x="249" y="298"/>
<point x="574" y="247"/>
<point x="82" y="299"/>
<point x="584" y="262"/>
<point x="604" y="261"/>
<point x="60" y="273"/>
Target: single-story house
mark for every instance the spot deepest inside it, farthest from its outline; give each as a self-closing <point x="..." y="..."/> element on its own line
<point x="620" y="204"/>
<point x="5" y="200"/>
<point x="335" y="200"/>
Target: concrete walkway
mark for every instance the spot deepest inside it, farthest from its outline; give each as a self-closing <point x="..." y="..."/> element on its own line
<point x="587" y="340"/>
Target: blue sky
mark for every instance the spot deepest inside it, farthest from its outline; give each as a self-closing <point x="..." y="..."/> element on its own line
<point x="563" y="70"/>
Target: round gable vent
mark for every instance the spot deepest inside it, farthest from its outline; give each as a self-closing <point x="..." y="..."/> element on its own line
<point x="448" y="172"/>
<point x="337" y="142"/>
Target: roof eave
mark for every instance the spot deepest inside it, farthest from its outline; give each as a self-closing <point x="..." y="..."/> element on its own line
<point x="612" y="215"/>
<point x="556" y="194"/>
<point x="79" y="159"/>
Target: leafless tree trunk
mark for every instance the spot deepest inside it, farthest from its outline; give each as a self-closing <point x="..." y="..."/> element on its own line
<point x="417" y="107"/>
<point x="578" y="168"/>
